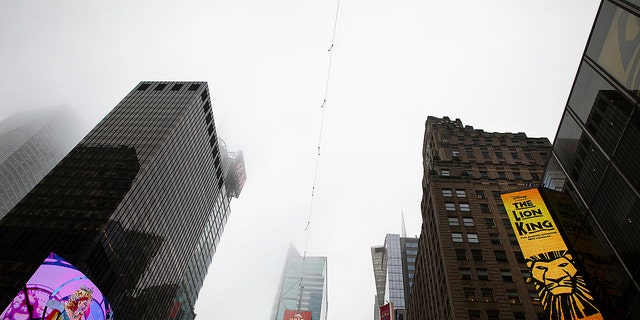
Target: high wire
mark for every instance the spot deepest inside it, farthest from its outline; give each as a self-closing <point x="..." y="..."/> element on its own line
<point x="323" y="122"/>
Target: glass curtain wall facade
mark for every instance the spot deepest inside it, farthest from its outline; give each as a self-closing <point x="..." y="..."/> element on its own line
<point x="393" y="269"/>
<point x="31" y="143"/>
<point x="303" y="287"/>
<point x="595" y="159"/>
<point x="138" y="205"/>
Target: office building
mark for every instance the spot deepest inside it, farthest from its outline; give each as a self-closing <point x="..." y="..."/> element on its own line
<point x="595" y="160"/>
<point x="31" y="143"/>
<point x="303" y="287"/>
<point x="139" y="205"/>
<point x="393" y="269"/>
<point x="469" y="265"/>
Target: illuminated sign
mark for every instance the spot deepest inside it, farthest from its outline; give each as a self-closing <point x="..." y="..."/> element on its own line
<point x="386" y="312"/>
<point x="57" y="291"/>
<point x="561" y="288"/>
<point x="297" y="315"/>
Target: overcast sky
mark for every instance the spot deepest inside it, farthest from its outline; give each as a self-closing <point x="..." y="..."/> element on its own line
<point x="501" y="66"/>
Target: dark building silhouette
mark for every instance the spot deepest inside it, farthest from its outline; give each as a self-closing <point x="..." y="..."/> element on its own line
<point x="138" y="205"/>
<point x="594" y="161"/>
<point x="469" y="264"/>
<point x="31" y="143"/>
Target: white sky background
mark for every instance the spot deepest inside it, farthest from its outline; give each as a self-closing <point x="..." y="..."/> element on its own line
<point x="496" y="65"/>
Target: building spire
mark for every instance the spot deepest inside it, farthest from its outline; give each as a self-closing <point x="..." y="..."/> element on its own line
<point x="404" y="228"/>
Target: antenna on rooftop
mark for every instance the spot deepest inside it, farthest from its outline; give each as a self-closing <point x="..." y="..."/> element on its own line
<point x="404" y="228"/>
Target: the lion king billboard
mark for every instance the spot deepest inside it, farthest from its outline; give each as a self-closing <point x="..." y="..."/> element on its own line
<point x="58" y="291"/>
<point x="561" y="287"/>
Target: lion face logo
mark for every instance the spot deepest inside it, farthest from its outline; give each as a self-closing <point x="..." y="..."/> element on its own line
<point x="561" y="288"/>
<point x="557" y="275"/>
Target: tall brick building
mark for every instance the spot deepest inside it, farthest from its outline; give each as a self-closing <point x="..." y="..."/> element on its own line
<point x="469" y="265"/>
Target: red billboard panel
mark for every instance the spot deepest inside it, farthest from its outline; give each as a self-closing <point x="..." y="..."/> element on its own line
<point x="386" y="312"/>
<point x="57" y="290"/>
<point x="296" y="315"/>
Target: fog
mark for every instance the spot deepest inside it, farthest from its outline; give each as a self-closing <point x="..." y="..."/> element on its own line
<point x="497" y="65"/>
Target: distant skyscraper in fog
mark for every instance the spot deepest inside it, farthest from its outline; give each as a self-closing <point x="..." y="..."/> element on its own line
<point x="138" y="205"/>
<point x="303" y="287"/>
<point x="31" y="143"/>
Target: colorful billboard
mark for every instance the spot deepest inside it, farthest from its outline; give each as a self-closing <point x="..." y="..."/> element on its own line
<point x="386" y="312"/>
<point x="560" y="286"/>
<point x="297" y="315"/>
<point x="58" y="291"/>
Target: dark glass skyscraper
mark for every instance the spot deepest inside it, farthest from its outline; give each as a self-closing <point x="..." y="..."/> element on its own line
<point x="31" y="143"/>
<point x="595" y="160"/>
<point x="138" y="205"/>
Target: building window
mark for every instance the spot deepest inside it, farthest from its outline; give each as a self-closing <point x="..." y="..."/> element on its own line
<point x="519" y="316"/>
<point x="535" y="176"/>
<point x="461" y="254"/>
<point x="480" y="194"/>
<point x="447" y="193"/>
<point x="490" y="223"/>
<point x="487" y="295"/>
<point x="477" y="255"/>
<point x="528" y="156"/>
<point x="535" y="299"/>
<point x="194" y="87"/>
<point x="501" y="208"/>
<point x="474" y="315"/>
<point x="461" y="193"/>
<point x="501" y="175"/>
<point x="454" y="222"/>
<point x="160" y="86"/>
<point x="464" y="207"/>
<point x="445" y="173"/>
<point x="143" y="86"/>
<point x="506" y="275"/>
<point x="484" y="208"/>
<point x="519" y="256"/>
<point x="465" y="273"/>
<point x="499" y="155"/>
<point x="177" y="87"/>
<point x="484" y="174"/>
<point x="513" y="240"/>
<point x="470" y="154"/>
<point x="501" y="256"/>
<point x="472" y="237"/>
<point x="468" y="222"/>
<point x="493" y="315"/>
<point x="470" y="294"/>
<point x="496" y="195"/>
<point x="495" y="238"/>
<point x="526" y="274"/>
<point x="517" y="175"/>
<point x="455" y="153"/>
<point x="512" y="296"/>
<point x="515" y="155"/>
<point x="485" y="154"/>
<point x="450" y="206"/>
<point x="456" y="236"/>
<point x="483" y="274"/>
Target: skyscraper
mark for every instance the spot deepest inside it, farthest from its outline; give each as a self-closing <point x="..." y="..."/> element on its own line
<point x="303" y="287"/>
<point x="393" y="269"/>
<point x="31" y="143"/>
<point x="138" y="205"/>
<point x="595" y="160"/>
<point x="469" y="265"/>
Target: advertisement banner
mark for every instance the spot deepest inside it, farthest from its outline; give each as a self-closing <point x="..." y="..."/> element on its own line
<point x="297" y="315"/>
<point x="57" y="291"/>
<point x="561" y="288"/>
<point x="386" y="312"/>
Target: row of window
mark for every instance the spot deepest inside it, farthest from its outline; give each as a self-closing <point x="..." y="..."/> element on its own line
<point x="495" y="315"/>
<point x="477" y="255"/>
<point x="464" y="207"/>
<point x="486" y="295"/>
<point x="498" y="154"/>
<point x="485" y="174"/>
<point x="483" y="274"/>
